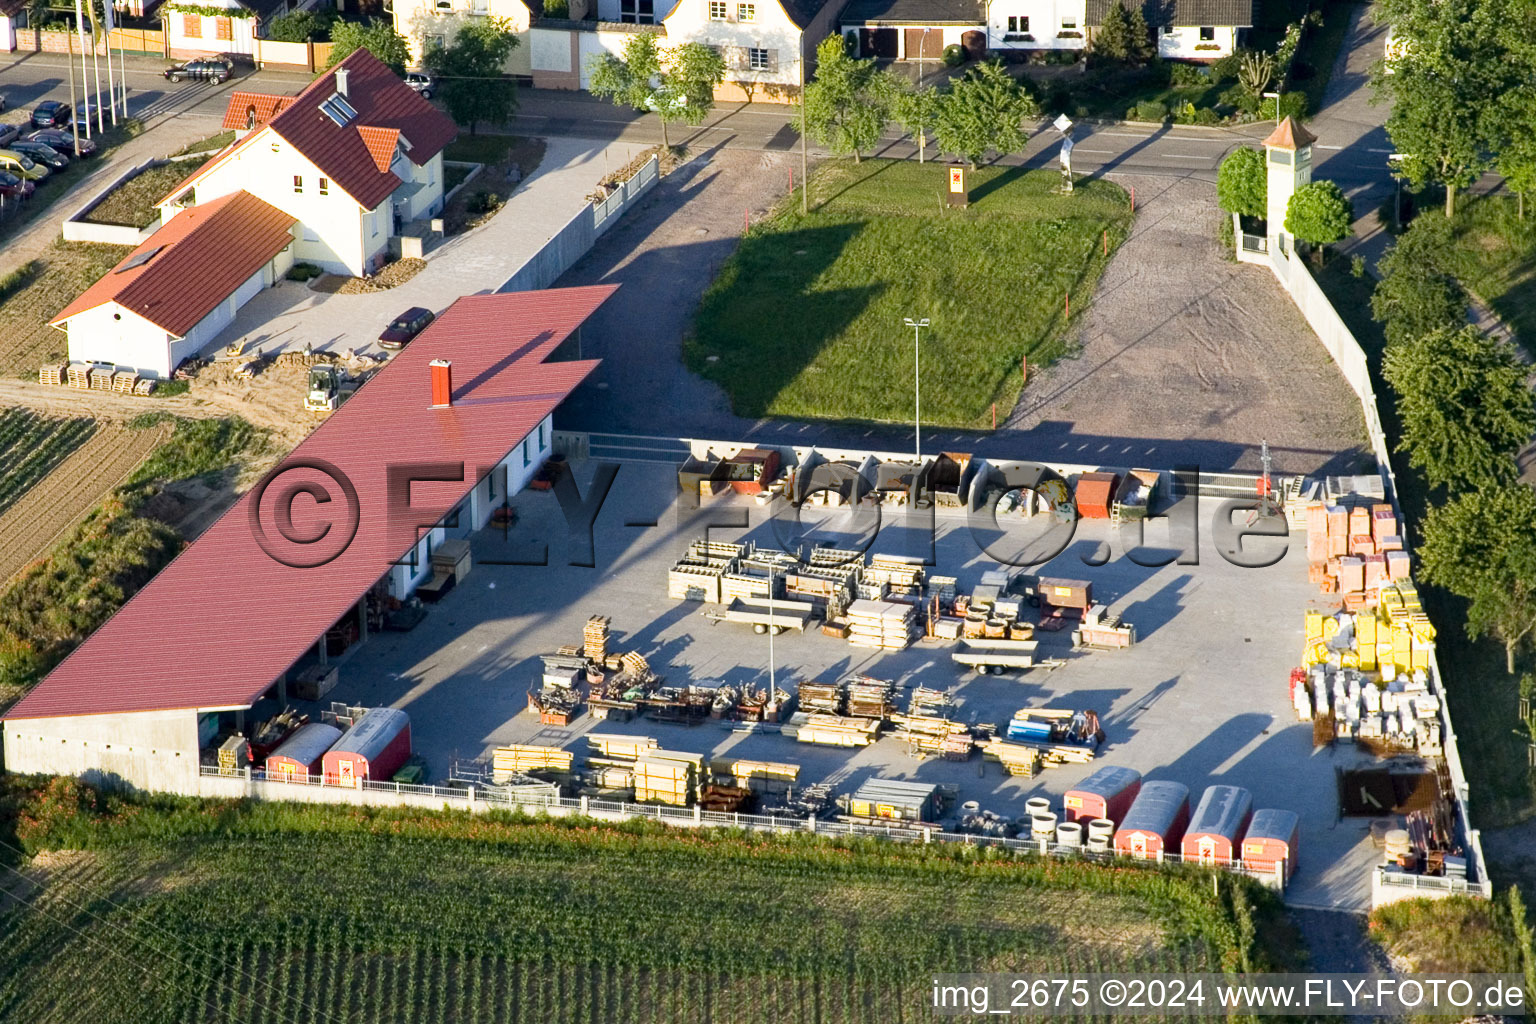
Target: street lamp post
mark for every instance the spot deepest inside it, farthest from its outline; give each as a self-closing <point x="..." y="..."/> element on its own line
<point x="917" y="383"/>
<point x="773" y="692"/>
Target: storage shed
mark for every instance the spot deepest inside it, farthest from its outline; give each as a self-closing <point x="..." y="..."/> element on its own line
<point x="896" y="800"/>
<point x="1218" y="825"/>
<point x="1095" y="493"/>
<point x="1155" y="822"/>
<point x="1272" y="837"/>
<point x="1107" y="793"/>
<point x="374" y="748"/>
<point x="300" y="755"/>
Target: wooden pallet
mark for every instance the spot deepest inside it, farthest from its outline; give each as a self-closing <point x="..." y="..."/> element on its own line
<point x="52" y="374"/>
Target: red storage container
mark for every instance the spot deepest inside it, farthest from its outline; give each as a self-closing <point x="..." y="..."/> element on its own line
<point x="1218" y="825"/>
<point x="1272" y="839"/>
<point x="1107" y="793"/>
<point x="300" y="755"/>
<point x="1156" y="821"/>
<point x="1095" y="493"/>
<point x="373" y="749"/>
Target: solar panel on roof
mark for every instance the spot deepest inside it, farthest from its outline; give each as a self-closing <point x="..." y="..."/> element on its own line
<point x="338" y="110"/>
<point x="139" y="259"/>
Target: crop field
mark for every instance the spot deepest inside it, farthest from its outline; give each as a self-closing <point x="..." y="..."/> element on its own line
<point x="31" y="446"/>
<point x="188" y="911"/>
<point x="805" y="320"/>
<point x="37" y="291"/>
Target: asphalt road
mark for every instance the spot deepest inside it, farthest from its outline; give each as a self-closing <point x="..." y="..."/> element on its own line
<point x="1126" y="149"/>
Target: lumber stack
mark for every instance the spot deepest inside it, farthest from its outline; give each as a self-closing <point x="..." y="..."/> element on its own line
<point x="507" y="762"/>
<point x="889" y="625"/>
<point x="1016" y="758"/>
<point x="757" y="776"/>
<point x="664" y="780"/>
<point x="832" y="730"/>
<point x="613" y="745"/>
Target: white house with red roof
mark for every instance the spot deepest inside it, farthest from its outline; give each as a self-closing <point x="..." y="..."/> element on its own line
<point x="353" y="158"/>
<point x="180" y="287"/>
<point x="226" y="622"/>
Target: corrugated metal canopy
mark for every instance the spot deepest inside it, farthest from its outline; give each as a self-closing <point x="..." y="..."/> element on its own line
<point x="219" y="624"/>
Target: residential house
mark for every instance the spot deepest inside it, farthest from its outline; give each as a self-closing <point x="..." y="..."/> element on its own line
<point x="769" y="45"/>
<point x="179" y="288"/>
<point x="354" y="157"/>
<point x="248" y="111"/>
<point x="1188" y="29"/>
<point x="424" y="22"/>
<point x="13" y="18"/>
<point x="915" y="30"/>
<point x="190" y="31"/>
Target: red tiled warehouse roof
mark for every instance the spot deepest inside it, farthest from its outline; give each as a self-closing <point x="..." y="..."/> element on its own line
<point x="199" y="258"/>
<point x="219" y="624"/>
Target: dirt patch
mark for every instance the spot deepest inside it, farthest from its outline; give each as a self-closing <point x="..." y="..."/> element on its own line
<point x="61" y="499"/>
<point x="38" y="292"/>
<point x="392" y="276"/>
<point x="133" y="202"/>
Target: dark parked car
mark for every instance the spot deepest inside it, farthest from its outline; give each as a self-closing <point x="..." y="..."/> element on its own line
<point x="217" y="70"/>
<point x="405" y="327"/>
<point x="52" y="114"/>
<point x="41" y="152"/>
<point x="85" y="118"/>
<point x="13" y="187"/>
<point x="9" y="133"/>
<point x="64" y="141"/>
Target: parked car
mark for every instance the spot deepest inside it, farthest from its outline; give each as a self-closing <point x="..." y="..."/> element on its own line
<point x="211" y="68"/>
<point x="85" y="118"/>
<point x="421" y="82"/>
<point x="64" y="141"/>
<point x="52" y="114"/>
<point x="9" y="133"/>
<point x="40" y="152"/>
<point x="22" y="166"/>
<point x="12" y="187"/>
<point x="405" y="327"/>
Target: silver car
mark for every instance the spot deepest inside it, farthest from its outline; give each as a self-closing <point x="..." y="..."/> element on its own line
<point x="421" y="82"/>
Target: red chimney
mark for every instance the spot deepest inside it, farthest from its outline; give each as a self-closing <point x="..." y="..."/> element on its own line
<point x="442" y="383"/>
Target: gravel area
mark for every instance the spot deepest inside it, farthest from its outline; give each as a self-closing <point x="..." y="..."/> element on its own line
<point x="1180" y="345"/>
<point x="1186" y="357"/>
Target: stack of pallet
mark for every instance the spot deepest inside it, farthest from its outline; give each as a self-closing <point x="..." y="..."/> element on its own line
<point x="101" y="376"/>
<point x="507" y="762"/>
<point x="870" y="698"/>
<point x="1384" y="718"/>
<point x="79" y="375"/>
<point x="693" y="579"/>
<point x="1016" y="758"/>
<point x="831" y="730"/>
<point x="123" y="381"/>
<point x="53" y="373"/>
<point x="1393" y="638"/>
<point x="621" y="748"/>
<point x="889" y="625"/>
<point x="825" y="698"/>
<point x="900" y="574"/>
<point x="594" y="639"/>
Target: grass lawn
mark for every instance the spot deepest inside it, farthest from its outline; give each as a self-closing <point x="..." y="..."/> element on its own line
<point x="452" y="175"/>
<point x="35" y="293"/>
<point x="133" y="202"/>
<point x="1460" y="935"/>
<point x="235" y="911"/>
<point x="1484" y="699"/>
<point x="1495" y="258"/>
<point x="805" y="318"/>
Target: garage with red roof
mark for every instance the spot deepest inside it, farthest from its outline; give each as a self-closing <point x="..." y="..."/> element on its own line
<point x="221" y="626"/>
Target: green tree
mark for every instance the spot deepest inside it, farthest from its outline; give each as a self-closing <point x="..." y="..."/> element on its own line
<point x="917" y="111"/>
<point x="984" y="110"/>
<point x="1113" y="39"/>
<point x="1482" y="547"/>
<point x="1445" y="87"/>
<point x="1242" y="183"/>
<point x="377" y="36"/>
<point x="1417" y="294"/>
<point x="1465" y="406"/>
<point x="302" y="26"/>
<point x="470" y="72"/>
<point x="678" y="85"/>
<point x="1517" y="107"/>
<point x="848" y="103"/>
<point x="1319" y="213"/>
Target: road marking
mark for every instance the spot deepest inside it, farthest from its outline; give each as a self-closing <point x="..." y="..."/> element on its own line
<point x="1315" y="146"/>
<point x="1171" y="138"/>
<point x="1379" y="151"/>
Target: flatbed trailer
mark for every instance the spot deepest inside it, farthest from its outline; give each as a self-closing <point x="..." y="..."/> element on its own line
<point x="763" y="615"/>
<point x="996" y="656"/>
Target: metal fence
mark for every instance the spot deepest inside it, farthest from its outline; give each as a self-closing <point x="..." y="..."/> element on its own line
<point x="631" y="188"/>
<point x="255" y="784"/>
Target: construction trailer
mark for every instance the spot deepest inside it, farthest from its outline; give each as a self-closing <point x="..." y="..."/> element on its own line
<point x="301" y="754"/>
<point x="1217" y="827"/>
<point x="896" y="800"/>
<point x="373" y="749"/>
<point x="1155" y="822"/>
<point x="1107" y="793"/>
<point x="1273" y="838"/>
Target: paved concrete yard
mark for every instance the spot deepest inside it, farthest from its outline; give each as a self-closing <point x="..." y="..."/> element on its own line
<point x="1202" y="699"/>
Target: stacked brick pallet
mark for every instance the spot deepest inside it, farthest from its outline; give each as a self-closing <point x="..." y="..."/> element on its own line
<point x="1353" y="550"/>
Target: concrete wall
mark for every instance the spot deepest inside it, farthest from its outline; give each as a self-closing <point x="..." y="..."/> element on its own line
<point x="77" y="229"/>
<point x="154" y="750"/>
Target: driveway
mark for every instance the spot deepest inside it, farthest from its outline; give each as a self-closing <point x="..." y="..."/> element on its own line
<point x="1186" y="357"/>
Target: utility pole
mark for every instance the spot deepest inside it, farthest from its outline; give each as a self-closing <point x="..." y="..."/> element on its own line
<point x="74" y="122"/>
<point x="805" y="181"/>
<point x="917" y="385"/>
